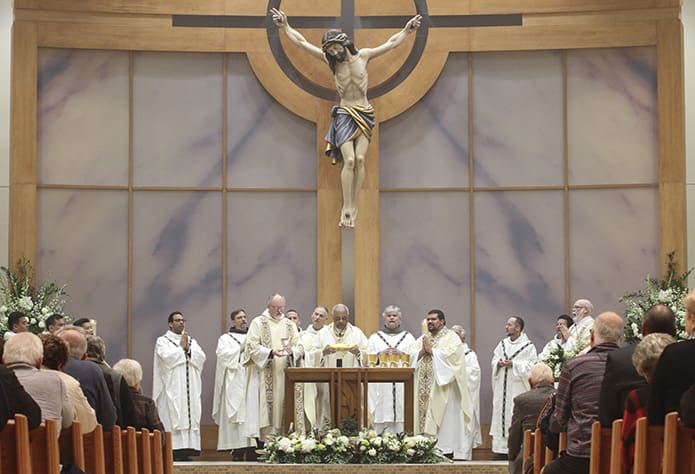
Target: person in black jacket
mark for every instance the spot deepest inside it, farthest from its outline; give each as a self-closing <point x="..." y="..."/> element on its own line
<point x="17" y="399"/>
<point x="620" y="377"/>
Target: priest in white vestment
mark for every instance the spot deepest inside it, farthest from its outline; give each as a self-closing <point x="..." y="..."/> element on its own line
<point x="386" y="399"/>
<point x="272" y="344"/>
<point x="317" y="402"/>
<point x="561" y="339"/>
<point x="229" y="403"/>
<point x="442" y="400"/>
<point x="580" y="332"/>
<point x="344" y="345"/>
<point x="473" y="379"/>
<point x="177" y="388"/>
<point x="512" y="360"/>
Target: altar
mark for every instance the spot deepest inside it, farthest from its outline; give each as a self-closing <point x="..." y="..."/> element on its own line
<point x="349" y="389"/>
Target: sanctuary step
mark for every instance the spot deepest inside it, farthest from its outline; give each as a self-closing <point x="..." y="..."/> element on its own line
<point x="218" y="467"/>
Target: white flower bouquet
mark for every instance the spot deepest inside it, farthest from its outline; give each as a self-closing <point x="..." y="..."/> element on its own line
<point x="670" y="290"/>
<point x="17" y="293"/>
<point x="367" y="447"/>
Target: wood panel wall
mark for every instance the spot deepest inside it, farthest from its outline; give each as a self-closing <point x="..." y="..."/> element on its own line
<point x="146" y="25"/>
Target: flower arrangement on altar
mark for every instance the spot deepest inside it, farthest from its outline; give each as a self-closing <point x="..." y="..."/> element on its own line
<point x="367" y="447"/>
<point x="670" y="290"/>
<point x="18" y="294"/>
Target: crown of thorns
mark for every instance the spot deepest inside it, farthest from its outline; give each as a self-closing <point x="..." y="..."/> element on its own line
<point x="331" y="37"/>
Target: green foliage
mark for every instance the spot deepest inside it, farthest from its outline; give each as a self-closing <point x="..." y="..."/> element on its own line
<point x="17" y="293"/>
<point x="670" y="290"/>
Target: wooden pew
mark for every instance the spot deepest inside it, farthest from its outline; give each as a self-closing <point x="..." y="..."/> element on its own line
<point x="44" y="440"/>
<point x="94" y="451"/>
<point x="649" y="448"/>
<point x="168" y="454"/>
<point x="528" y="446"/>
<point x="605" y="448"/>
<point x="15" y="455"/>
<point x="144" y="451"/>
<point x="130" y="451"/>
<point x="71" y="445"/>
<point x="113" y="451"/>
<point x="679" y="446"/>
<point x="157" y="453"/>
<point x="538" y="451"/>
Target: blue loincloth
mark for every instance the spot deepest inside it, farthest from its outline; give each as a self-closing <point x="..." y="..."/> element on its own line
<point x="348" y="123"/>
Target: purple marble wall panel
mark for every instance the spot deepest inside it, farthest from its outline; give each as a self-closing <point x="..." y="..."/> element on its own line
<point x="517" y="118"/>
<point x="425" y="255"/>
<point x="519" y="269"/>
<point x="177" y="266"/>
<point x="177" y="119"/>
<point x="427" y="145"/>
<point x="82" y="117"/>
<point x="614" y="244"/>
<point x="612" y="116"/>
<point x="82" y="240"/>
<point x="271" y="248"/>
<point x="267" y="146"/>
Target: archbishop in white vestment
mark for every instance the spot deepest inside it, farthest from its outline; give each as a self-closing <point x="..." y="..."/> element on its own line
<point x="230" y="407"/>
<point x="386" y="399"/>
<point x="511" y="361"/>
<point x="176" y="385"/>
<point x="341" y="332"/>
<point x="442" y="400"/>
<point x="272" y="344"/>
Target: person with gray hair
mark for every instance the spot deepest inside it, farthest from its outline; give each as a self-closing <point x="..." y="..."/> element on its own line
<point x="344" y="345"/>
<point x="23" y="353"/>
<point x="146" y="414"/>
<point x="644" y="358"/>
<point x="527" y="406"/>
<point x="576" y="403"/>
<point x="386" y="399"/>
<point x="473" y="374"/>
<point x="88" y="374"/>
<point x="118" y="387"/>
<point x="578" y="333"/>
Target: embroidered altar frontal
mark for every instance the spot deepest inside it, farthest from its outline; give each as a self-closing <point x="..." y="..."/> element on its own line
<point x="474" y="467"/>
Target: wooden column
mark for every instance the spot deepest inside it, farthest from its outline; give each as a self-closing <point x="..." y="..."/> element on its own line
<point x="23" y="137"/>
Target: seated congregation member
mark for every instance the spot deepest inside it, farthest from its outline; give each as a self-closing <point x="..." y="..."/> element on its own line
<point x="18" y="400"/>
<point x="341" y="332"/>
<point x="146" y="414"/>
<point x="55" y="356"/>
<point x="687" y="410"/>
<point x="473" y="381"/>
<point x="118" y="387"/>
<point x="561" y="338"/>
<point x="621" y="377"/>
<point x="86" y="324"/>
<point x="386" y="399"/>
<point x="16" y="323"/>
<point x="54" y="323"/>
<point x="442" y="402"/>
<point x="91" y="378"/>
<point x="675" y="372"/>
<point x="23" y="353"/>
<point x="644" y="358"/>
<point x="527" y="406"/>
<point x="576" y="404"/>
